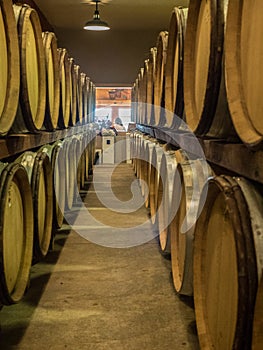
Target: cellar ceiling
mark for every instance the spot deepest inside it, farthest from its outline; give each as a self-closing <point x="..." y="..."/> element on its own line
<point x="110" y="58"/>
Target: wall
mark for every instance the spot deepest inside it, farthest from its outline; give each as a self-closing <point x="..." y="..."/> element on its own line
<point x="122" y="65"/>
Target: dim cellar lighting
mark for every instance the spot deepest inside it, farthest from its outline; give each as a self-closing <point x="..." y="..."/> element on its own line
<point x="96" y="24"/>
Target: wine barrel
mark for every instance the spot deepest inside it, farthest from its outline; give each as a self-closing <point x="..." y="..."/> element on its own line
<point x="258" y="319"/>
<point x="92" y="102"/>
<point x="86" y="140"/>
<point x="85" y="97"/>
<point x="134" y="105"/>
<point x="168" y="169"/>
<point x="191" y="177"/>
<point x="32" y="100"/>
<point x="73" y="93"/>
<point x="227" y="263"/>
<point x="55" y="154"/>
<point x="137" y="138"/>
<point x="57" y="163"/>
<point x="136" y="135"/>
<point x="159" y="79"/>
<point x="64" y="78"/>
<point x="144" y="92"/>
<point x="206" y="107"/>
<point x="137" y="99"/>
<point x="148" y="156"/>
<point x="132" y="138"/>
<point x="244" y="72"/>
<point x="92" y="151"/>
<point x="38" y="167"/>
<point x="87" y="154"/>
<point x="141" y="95"/>
<point x="133" y="94"/>
<point x="150" y="86"/>
<point x="80" y="160"/>
<point x="79" y="94"/>
<point x="9" y="68"/>
<point x="138" y="141"/>
<point x="155" y="180"/>
<point x="52" y="81"/>
<point x="70" y="171"/>
<point x="16" y="233"/>
<point x="143" y="180"/>
<point x="88" y="98"/>
<point x="174" y="99"/>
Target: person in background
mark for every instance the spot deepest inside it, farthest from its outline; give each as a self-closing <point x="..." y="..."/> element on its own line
<point x="118" y="124"/>
<point x="118" y="121"/>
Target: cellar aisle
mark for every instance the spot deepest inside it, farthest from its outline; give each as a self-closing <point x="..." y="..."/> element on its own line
<point x="88" y="296"/>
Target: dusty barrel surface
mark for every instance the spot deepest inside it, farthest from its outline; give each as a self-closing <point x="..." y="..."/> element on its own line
<point x="32" y="99"/>
<point x="174" y="100"/>
<point x="159" y="79"/>
<point x="52" y="80"/>
<point x="38" y="167"/>
<point x="9" y="68"/>
<point x="244" y="70"/>
<point x="189" y="182"/>
<point x="227" y="263"/>
<point x="16" y="234"/>
<point x="206" y="107"/>
<point x="64" y="81"/>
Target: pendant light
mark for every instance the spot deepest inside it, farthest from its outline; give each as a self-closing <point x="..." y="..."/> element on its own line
<point x="96" y="24"/>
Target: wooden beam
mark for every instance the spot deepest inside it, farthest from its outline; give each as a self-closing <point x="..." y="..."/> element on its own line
<point x="234" y="157"/>
<point x="18" y="143"/>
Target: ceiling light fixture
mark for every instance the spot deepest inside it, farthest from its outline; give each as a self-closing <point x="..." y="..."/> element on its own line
<point x="96" y="24"/>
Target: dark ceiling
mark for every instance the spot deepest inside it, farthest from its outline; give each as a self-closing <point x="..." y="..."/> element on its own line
<point x="110" y="58"/>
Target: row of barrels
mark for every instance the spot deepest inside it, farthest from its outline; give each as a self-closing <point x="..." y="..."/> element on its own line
<point x="41" y="86"/>
<point x="36" y="190"/>
<point x="211" y="226"/>
<point x="206" y="72"/>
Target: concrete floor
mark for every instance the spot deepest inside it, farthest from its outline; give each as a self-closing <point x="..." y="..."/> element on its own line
<point x="88" y="296"/>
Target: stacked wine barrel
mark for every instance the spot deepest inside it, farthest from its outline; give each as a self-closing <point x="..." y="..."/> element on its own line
<point x="203" y="80"/>
<point x="42" y="88"/>
<point x="42" y="91"/>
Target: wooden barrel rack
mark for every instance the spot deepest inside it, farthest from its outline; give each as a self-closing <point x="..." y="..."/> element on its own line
<point x="218" y="260"/>
<point x="47" y="109"/>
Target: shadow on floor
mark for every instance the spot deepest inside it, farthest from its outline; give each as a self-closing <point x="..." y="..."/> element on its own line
<point x="15" y="319"/>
